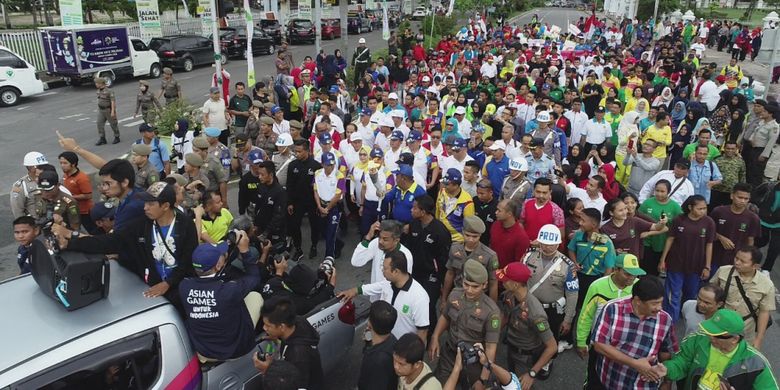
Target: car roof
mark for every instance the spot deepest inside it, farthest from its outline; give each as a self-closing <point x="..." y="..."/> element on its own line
<point x="34" y="323"/>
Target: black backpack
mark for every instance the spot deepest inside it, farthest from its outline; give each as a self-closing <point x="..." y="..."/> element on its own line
<point x="764" y="197"/>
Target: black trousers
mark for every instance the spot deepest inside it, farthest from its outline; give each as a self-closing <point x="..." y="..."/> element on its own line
<point x="555" y="320"/>
<point x="769" y="237"/>
<point x="718" y="198"/>
<point x="432" y="284"/>
<point x="294" y="228"/>
<point x="650" y="261"/>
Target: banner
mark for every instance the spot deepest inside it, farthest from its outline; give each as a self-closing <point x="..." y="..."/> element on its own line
<point x="385" y="24"/>
<point x="304" y="11"/>
<point x="204" y="10"/>
<point x="250" y="33"/>
<point x="148" y="19"/>
<point x="70" y="13"/>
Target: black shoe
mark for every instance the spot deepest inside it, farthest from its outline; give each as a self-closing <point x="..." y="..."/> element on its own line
<point x="312" y="252"/>
<point x="339" y="246"/>
<point x="297" y="254"/>
<point x="116" y="140"/>
<point x="545" y="373"/>
<point x="101" y="141"/>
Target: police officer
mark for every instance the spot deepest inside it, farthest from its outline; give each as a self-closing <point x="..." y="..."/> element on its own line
<point x="197" y="182"/>
<point x="170" y="87"/>
<point x="471" y="248"/>
<point x="25" y="194"/>
<point x="528" y="336"/>
<point x="360" y="60"/>
<point x="145" y="101"/>
<point x="329" y="188"/>
<point x="283" y="157"/>
<point x="56" y="202"/>
<point x="211" y="167"/>
<point x="221" y="314"/>
<point x="106" y="102"/>
<point x="554" y="283"/>
<point x="145" y="173"/>
<point x="218" y="149"/>
<point x="271" y="205"/>
<point x="470" y="316"/>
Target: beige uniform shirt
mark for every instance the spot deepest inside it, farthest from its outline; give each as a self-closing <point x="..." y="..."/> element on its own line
<point x="483" y="254"/>
<point x="562" y="282"/>
<point x="472" y="321"/>
<point x="759" y="289"/>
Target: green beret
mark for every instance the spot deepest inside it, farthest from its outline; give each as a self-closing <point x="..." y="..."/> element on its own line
<point x="268" y="106"/>
<point x="141" y="149"/>
<point x="474" y="271"/>
<point x="267" y="120"/>
<point x="194" y="160"/>
<point x="473" y="224"/>
<point x="180" y="180"/>
<point x="296" y="124"/>
<point x="200" y="142"/>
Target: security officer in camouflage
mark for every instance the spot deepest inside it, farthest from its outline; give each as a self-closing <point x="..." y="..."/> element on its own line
<point x="145" y="101"/>
<point x="170" y="87"/>
<point x="211" y="167"/>
<point x="106" y="102"/>
<point x="530" y="341"/>
<point x="197" y="182"/>
<point x="554" y="283"/>
<point x="471" y="248"/>
<point x="25" y="195"/>
<point x="145" y="173"/>
<point x="56" y="202"/>
<point x="469" y="316"/>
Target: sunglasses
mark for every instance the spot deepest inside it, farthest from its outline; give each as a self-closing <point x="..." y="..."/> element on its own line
<point x="724" y="336"/>
<point x="435" y="137"/>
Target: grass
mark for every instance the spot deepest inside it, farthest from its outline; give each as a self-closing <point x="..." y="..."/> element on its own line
<point x="736" y="14"/>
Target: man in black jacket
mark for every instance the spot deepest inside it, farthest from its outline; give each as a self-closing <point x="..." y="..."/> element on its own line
<point x="299" y="341"/>
<point x="250" y="181"/>
<point x="376" y="370"/>
<point x="157" y="248"/>
<point x="300" y="197"/>
<point x="270" y="206"/>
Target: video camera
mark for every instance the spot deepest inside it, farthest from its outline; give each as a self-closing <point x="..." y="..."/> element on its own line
<point x="468" y="353"/>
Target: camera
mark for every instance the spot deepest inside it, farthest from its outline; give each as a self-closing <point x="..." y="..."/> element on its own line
<point x="599" y="238"/>
<point x="232" y="237"/>
<point x="325" y="270"/>
<point x="468" y="353"/>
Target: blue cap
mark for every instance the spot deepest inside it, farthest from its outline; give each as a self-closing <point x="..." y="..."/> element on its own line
<point x="376" y="152"/>
<point x="453" y="175"/>
<point x="405" y="170"/>
<point x="458" y="143"/>
<point x="275" y="109"/>
<point x="325" y="138"/>
<point x="212" y="131"/>
<point x="145" y="127"/>
<point x="206" y="256"/>
<point x="366" y="112"/>
<point x="328" y="158"/>
<point x="334" y="89"/>
<point x="397" y="134"/>
<point x="414" y="135"/>
<point x="255" y="156"/>
<point x="102" y="210"/>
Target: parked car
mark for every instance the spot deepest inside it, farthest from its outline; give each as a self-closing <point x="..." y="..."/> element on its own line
<point x="420" y="13"/>
<point x="358" y="23"/>
<point x="18" y="78"/>
<point x="184" y="51"/>
<point x="233" y="42"/>
<point x="141" y="340"/>
<point x="331" y="28"/>
<point x="271" y="28"/>
<point x="301" y="30"/>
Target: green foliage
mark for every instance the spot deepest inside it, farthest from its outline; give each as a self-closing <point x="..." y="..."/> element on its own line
<point x="442" y="25"/>
<point x="166" y="118"/>
<point x="646" y="7"/>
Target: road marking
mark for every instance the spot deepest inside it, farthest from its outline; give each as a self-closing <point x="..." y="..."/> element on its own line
<point x="48" y="93"/>
<point x="125" y="119"/>
<point x="22" y="108"/>
<point x="134" y="123"/>
<point x="82" y="119"/>
<point x="70" y="116"/>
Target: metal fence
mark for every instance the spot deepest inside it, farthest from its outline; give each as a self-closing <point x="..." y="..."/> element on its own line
<point x="27" y="44"/>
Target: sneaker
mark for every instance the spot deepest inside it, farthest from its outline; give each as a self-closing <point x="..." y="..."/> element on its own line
<point x="101" y="141"/>
<point x="312" y="252"/>
<point x="544" y="373"/>
<point x="116" y="140"/>
<point x="563" y="345"/>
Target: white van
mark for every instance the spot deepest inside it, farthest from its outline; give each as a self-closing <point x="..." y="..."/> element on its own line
<point x="17" y="78"/>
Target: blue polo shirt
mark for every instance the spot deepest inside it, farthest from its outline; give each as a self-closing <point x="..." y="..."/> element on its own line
<point x="700" y="174"/>
<point x="496" y="171"/>
<point x="160" y="154"/>
<point x="594" y="258"/>
<point x="402" y="201"/>
<point x="129" y="208"/>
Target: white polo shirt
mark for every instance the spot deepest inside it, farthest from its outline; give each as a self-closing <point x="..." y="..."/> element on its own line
<point x="410" y="301"/>
<point x="367" y="252"/>
<point x="587" y="202"/>
<point x="328" y="186"/>
<point x="596" y="133"/>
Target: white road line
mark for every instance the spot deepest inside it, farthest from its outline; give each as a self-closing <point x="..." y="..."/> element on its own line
<point x="22" y="108"/>
<point x="134" y="123"/>
<point x="70" y="116"/>
<point x="48" y="93"/>
<point x="82" y="119"/>
<point x="125" y="119"/>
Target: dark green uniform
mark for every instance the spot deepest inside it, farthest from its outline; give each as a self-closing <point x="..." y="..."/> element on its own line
<point x="146" y="176"/>
<point x="483" y="254"/>
<point x="64" y="206"/>
<point x="190" y="196"/>
<point x="215" y="173"/>
<point x="526" y="331"/>
<point x="146" y="101"/>
<point x="171" y="89"/>
<point x="105" y="96"/>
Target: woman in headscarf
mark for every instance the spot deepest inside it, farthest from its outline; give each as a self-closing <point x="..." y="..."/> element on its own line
<point x="575" y="156"/>
<point x="680" y="140"/>
<point x="628" y="133"/>
<point x="736" y="126"/>
<point x="181" y="142"/>
<point x="737" y="102"/>
<point x="451" y="130"/>
<point x="611" y="188"/>
<point x="702" y="123"/>
<point x="678" y="114"/>
<point x="682" y="96"/>
<point x="642" y="108"/>
<point x="341" y="62"/>
<point x="582" y="171"/>
<point x="719" y="122"/>
<point x="664" y="99"/>
<point x="508" y="70"/>
<point x="330" y="70"/>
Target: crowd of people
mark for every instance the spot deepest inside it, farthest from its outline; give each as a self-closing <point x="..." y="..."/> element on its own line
<point x="511" y="188"/>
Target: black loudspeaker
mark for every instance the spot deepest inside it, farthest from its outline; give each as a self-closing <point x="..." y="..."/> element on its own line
<point x="73" y="279"/>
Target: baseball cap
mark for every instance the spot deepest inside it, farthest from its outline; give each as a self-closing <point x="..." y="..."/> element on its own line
<point x="518" y="164"/>
<point x="284" y="140"/>
<point x="333" y="89"/>
<point x="514" y="271"/>
<point x="721" y="78"/>
<point x="404" y="169"/>
<point x="365" y="111"/>
<point x="325" y="139"/>
<point x="405" y="158"/>
<point x="392" y="95"/>
<point x="498" y="145"/>
<point x="328" y="158"/>
<point x="549" y="235"/>
<point x="376" y="152"/>
<point x="213" y="90"/>
<point x="145" y="127"/>
<point x="414" y="135"/>
<point x="426" y="78"/>
<point x="33" y="159"/>
<point x="460" y="110"/>
<point x="159" y="192"/>
<point x="397" y="135"/>
<point x="355" y="137"/>
<point x="102" y="210"/>
<point x="398" y="113"/>
<point x="386" y="122"/>
<point x="206" y="256"/>
<point x="453" y="175"/>
<point x="458" y="143"/>
<point x="212" y="131"/>
<point x="255" y="157"/>
<point x="600" y="109"/>
<point x="723" y="322"/>
<point x="275" y="109"/>
<point x="47" y="180"/>
<point x="683" y="163"/>
<point x="630" y="264"/>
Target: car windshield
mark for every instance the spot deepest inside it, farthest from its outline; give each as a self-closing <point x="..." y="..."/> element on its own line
<point x="159" y="43"/>
<point x="269" y="23"/>
<point x="302" y="24"/>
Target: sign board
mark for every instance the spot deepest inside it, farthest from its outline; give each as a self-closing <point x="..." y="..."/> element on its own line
<point x="536" y="42"/>
<point x="204" y="10"/>
<point x="408" y="7"/>
<point x="328" y="12"/>
<point x="148" y="19"/>
<point x="304" y="11"/>
<point x="70" y="13"/>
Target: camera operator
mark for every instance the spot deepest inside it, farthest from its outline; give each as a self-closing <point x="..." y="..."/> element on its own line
<point x="505" y="380"/>
<point x="220" y="313"/>
<point x="302" y="285"/>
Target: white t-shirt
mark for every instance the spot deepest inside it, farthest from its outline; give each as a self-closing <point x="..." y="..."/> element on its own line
<point x="596" y="132"/>
<point x="709" y="94"/>
<point x="216" y="112"/>
<point x="699" y="47"/>
<point x="692" y="317"/>
<point x="411" y="303"/>
<point x="704" y="31"/>
<point x="365" y="253"/>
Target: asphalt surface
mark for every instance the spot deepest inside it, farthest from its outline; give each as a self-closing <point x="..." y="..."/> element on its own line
<point x="31" y="126"/>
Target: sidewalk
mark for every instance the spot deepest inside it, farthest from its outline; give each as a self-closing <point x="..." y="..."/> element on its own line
<point x="759" y="71"/>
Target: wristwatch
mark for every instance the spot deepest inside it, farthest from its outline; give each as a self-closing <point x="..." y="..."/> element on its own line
<point x="74" y="234"/>
<point x="532" y="373"/>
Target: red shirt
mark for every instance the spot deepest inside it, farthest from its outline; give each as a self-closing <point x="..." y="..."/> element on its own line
<point x="509" y="244"/>
<point x="79" y="184"/>
<point x="534" y="218"/>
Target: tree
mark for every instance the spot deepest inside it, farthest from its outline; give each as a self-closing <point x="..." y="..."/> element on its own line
<point x="646" y="7"/>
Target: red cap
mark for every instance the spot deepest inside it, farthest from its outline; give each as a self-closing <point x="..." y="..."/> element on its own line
<point x="721" y="78"/>
<point x="516" y="272"/>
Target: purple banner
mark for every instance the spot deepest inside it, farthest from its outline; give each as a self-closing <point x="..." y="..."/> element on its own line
<point x="102" y="48"/>
<point x="58" y="50"/>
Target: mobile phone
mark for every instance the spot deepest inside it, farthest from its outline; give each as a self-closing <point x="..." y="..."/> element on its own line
<point x="631" y="143"/>
<point x="663" y="215"/>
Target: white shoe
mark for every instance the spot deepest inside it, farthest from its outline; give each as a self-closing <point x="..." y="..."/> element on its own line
<point x="564" y="345"/>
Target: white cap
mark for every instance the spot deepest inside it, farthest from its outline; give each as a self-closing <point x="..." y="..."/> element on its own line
<point x="460" y="110"/>
<point x="386" y="121"/>
<point x="285" y="139"/>
<point x="355" y="137"/>
<point x="392" y="95"/>
<point x="518" y="164"/>
<point x="498" y="145"/>
<point x="549" y="235"/>
<point x="543" y="116"/>
<point x="398" y="113"/>
<point x="426" y="78"/>
<point x="362" y="40"/>
<point x="432" y="89"/>
<point x="34" y="159"/>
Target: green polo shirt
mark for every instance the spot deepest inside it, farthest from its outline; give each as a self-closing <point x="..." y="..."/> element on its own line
<point x="599" y="293"/>
<point x="217" y="228"/>
<point x="594" y="258"/>
<point x="712" y="151"/>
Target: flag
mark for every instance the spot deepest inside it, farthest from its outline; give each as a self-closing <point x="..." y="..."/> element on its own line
<point x="385" y="24"/>
<point x="250" y="32"/>
<point x="590" y="23"/>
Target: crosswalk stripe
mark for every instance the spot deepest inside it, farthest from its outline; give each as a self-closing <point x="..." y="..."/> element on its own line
<point x="134" y="123"/>
<point x="125" y="119"/>
<point x="82" y="119"/>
